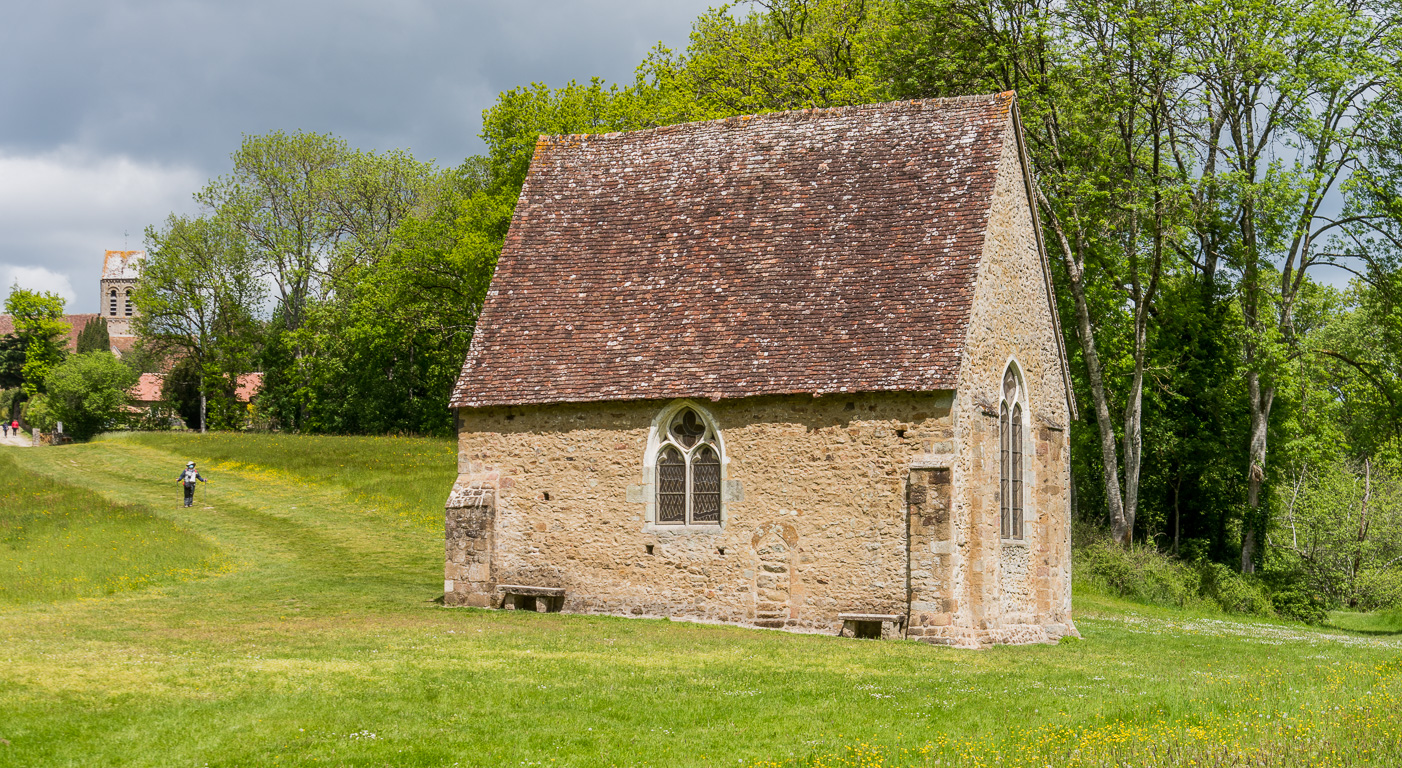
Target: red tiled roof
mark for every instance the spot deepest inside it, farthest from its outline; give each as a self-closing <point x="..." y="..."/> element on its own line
<point x="75" y="326"/>
<point x="812" y="251"/>
<point x="119" y="344"/>
<point x="122" y="345"/>
<point x="149" y="387"/>
<point x="250" y="384"/>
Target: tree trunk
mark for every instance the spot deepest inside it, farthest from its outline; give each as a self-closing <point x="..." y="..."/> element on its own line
<point x="1261" y="401"/>
<point x="1134" y="439"/>
<point x="1177" y="511"/>
<point x="1362" y="526"/>
<point x="1109" y="461"/>
<point x="203" y="430"/>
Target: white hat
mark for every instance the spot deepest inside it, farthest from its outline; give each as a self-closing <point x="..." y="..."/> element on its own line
<point x="189" y="463"/>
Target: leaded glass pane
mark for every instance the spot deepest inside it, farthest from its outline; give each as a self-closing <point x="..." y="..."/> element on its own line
<point x="1004" y="459"/>
<point x="671" y="487"/>
<point x="1010" y="386"/>
<point x="705" y="486"/>
<point x="1017" y="472"/>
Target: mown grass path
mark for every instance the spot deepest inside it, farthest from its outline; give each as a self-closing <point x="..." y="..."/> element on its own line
<point x="321" y="644"/>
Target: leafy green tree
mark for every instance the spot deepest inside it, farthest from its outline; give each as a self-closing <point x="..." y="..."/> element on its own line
<point x="38" y="319"/>
<point x="88" y="392"/>
<point x="787" y="54"/>
<point x="94" y="337"/>
<point x="307" y="207"/>
<point x="197" y="298"/>
<point x="11" y="361"/>
<point x="196" y="395"/>
<point x="311" y="214"/>
<point x="1292" y="103"/>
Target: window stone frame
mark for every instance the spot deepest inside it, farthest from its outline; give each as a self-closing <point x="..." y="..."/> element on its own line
<point x="1014" y="528"/>
<point x="657" y="440"/>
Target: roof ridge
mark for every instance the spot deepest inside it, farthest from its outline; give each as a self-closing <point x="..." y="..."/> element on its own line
<point x="1002" y="99"/>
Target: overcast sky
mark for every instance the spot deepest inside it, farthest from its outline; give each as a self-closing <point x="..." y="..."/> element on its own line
<point x="112" y="112"/>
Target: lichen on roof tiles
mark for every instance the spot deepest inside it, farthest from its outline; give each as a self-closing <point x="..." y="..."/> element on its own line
<point x="122" y="265"/>
<point x="825" y="250"/>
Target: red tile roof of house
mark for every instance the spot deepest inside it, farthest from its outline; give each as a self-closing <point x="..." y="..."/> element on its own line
<point x="813" y="251"/>
<point x="120" y="345"/>
<point x="250" y="384"/>
<point x="149" y="387"/>
<point x="75" y="326"/>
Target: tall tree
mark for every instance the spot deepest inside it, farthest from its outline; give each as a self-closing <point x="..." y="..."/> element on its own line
<point x="1293" y="111"/>
<point x="279" y="199"/>
<point x="94" y="336"/>
<point x="785" y="54"/>
<point x="197" y="298"/>
<point x="38" y="319"/>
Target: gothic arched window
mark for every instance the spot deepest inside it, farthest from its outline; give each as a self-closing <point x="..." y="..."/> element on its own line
<point x="128" y="312"/>
<point x="688" y="472"/>
<point x="112" y="303"/>
<point x="1010" y="453"/>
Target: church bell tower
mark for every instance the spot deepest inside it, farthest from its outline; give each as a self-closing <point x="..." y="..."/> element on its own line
<point x="120" y="270"/>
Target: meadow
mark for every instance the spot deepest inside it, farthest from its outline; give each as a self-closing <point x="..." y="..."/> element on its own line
<point x="291" y="617"/>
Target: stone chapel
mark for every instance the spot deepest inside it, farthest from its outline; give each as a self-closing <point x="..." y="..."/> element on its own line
<point x="799" y="370"/>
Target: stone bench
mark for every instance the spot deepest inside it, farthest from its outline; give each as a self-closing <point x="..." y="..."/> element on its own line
<point x="868" y="625"/>
<point x="523" y="597"/>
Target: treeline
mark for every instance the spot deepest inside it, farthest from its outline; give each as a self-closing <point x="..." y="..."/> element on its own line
<point x="1198" y="165"/>
<point x="351" y="279"/>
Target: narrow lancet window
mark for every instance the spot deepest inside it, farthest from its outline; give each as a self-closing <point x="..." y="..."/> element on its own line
<point x="1010" y="452"/>
<point x="688" y="472"/>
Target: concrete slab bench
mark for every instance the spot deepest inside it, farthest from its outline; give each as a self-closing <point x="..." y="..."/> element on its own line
<point x="868" y="625"/>
<point x="525" y="597"/>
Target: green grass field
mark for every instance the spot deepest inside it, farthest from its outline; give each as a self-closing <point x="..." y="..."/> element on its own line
<point x="304" y="630"/>
<point x="60" y="542"/>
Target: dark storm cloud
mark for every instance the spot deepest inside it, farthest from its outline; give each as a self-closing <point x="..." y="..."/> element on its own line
<point x="139" y="98"/>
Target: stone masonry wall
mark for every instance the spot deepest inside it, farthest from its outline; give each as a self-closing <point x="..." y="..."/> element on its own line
<point x="813" y="511"/>
<point x="1011" y="590"/>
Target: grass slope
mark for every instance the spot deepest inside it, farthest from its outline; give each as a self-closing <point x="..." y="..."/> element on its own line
<point x="322" y="645"/>
<point x="58" y="542"/>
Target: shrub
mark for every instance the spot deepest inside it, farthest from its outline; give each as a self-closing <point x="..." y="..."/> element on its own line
<point x="1298" y="605"/>
<point x="1378" y="589"/>
<point x="1138" y="573"/>
<point x="88" y="392"/>
<point x="1234" y="592"/>
<point x="38" y="414"/>
<point x="1149" y="576"/>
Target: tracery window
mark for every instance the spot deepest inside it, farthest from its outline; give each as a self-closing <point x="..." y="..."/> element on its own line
<point x="112" y="305"/>
<point x="128" y="312"/>
<point x="1010" y="464"/>
<point x="688" y="472"/>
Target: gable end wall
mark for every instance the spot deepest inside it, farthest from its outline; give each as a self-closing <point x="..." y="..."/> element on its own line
<point x="1013" y="588"/>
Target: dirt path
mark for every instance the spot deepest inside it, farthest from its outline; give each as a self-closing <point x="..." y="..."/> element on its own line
<point x="23" y="441"/>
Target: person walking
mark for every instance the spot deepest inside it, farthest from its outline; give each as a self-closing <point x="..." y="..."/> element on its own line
<point x="188" y="477"/>
<point x="6" y="425"/>
<point x="14" y="428"/>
